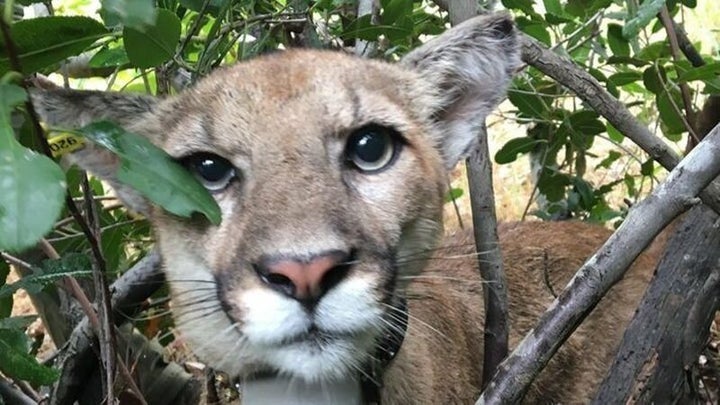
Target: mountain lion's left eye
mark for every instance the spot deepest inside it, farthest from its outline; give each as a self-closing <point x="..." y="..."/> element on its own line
<point x="372" y="148"/>
<point x="213" y="171"/>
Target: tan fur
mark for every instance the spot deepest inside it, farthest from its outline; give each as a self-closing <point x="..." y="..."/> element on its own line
<point x="283" y="121"/>
<point x="449" y="298"/>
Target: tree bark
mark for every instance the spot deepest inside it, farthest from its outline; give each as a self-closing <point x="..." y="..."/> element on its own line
<point x="482" y="204"/>
<point x="603" y="270"/>
<point x="672" y="323"/>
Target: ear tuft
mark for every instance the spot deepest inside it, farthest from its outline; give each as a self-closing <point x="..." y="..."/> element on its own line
<point x="467" y="71"/>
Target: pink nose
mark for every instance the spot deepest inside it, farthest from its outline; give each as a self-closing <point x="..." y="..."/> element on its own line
<point x="305" y="279"/>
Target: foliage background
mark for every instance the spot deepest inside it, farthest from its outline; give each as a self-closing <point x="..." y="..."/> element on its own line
<point x="556" y="158"/>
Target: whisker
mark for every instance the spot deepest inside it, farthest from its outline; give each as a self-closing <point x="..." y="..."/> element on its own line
<point x="410" y="316"/>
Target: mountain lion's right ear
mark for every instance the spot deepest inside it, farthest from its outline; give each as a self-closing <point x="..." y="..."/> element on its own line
<point x="76" y="108"/>
<point x="70" y="109"/>
<point x="467" y="70"/>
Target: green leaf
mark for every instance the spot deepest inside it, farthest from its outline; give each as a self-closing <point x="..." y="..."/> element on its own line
<point x="689" y="3"/>
<point x="156" y="43"/>
<point x="552" y="185"/>
<point x="196" y="5"/>
<point x="42" y="42"/>
<point x="645" y="13"/>
<point x="526" y="6"/>
<point x="585" y="191"/>
<point x="531" y="105"/>
<point x="31" y="197"/>
<point x="587" y="122"/>
<point x="554" y="7"/>
<point x="362" y="28"/>
<point x="150" y="171"/>
<point x="16" y="362"/>
<point x="399" y="30"/>
<point x="614" y="134"/>
<point x="625" y="60"/>
<point x="10" y="96"/>
<point x="514" y="147"/>
<point x="647" y="168"/>
<point x="611" y="158"/>
<point x="654" y="78"/>
<point x="453" y="194"/>
<point x="617" y="42"/>
<point x="6" y="303"/>
<point x="109" y="57"/>
<point x="707" y="72"/>
<point x="669" y="116"/>
<point x="394" y="9"/>
<point x="583" y="8"/>
<point x="623" y="78"/>
<point x="32" y="186"/>
<point x="17" y="322"/>
<point x="536" y="30"/>
<point x="135" y="14"/>
<point x="70" y="265"/>
<point x="655" y="51"/>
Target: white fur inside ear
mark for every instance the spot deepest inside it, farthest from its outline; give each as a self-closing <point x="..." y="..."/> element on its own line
<point x="465" y="74"/>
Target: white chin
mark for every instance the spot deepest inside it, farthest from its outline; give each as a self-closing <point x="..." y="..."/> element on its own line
<point x="332" y="360"/>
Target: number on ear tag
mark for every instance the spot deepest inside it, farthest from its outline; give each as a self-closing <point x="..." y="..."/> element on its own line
<point x="64" y="143"/>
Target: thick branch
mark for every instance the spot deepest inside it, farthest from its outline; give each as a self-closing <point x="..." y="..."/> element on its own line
<point x="671" y="324"/>
<point x="603" y="270"/>
<point x="482" y="202"/>
<point x="12" y="395"/>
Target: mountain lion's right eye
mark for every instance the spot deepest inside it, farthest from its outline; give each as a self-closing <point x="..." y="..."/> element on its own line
<point x="213" y="171"/>
<point x="372" y="148"/>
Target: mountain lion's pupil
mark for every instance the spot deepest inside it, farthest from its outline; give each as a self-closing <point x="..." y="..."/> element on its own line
<point x="371" y="147"/>
<point x="212" y="169"/>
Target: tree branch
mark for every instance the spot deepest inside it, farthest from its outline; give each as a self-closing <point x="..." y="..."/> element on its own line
<point x="603" y="270"/>
<point x="129" y="291"/>
<point x="490" y="261"/>
<point x="367" y="48"/>
<point x="12" y="395"/>
<point x="669" y="25"/>
<point x="671" y="325"/>
<point x="567" y="73"/>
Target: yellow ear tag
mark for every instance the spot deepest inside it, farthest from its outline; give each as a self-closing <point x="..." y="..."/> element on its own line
<point x="64" y="143"/>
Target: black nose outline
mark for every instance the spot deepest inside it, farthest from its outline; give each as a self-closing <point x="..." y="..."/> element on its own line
<point x="284" y="285"/>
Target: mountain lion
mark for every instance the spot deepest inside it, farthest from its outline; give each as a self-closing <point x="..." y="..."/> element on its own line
<point x="329" y="273"/>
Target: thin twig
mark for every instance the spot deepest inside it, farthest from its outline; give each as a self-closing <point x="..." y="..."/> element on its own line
<point x="105" y="331"/>
<point x="684" y="89"/>
<point x="14" y="261"/>
<point x="78" y="293"/>
<point x="195" y="27"/>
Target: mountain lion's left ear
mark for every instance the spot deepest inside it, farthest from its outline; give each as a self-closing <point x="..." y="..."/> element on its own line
<point x="74" y="108"/>
<point x="468" y="68"/>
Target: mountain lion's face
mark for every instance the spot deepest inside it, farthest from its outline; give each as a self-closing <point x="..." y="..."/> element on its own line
<point x="327" y="179"/>
<point x="330" y="174"/>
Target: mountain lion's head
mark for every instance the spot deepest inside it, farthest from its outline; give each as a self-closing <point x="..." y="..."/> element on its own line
<point x="330" y="172"/>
